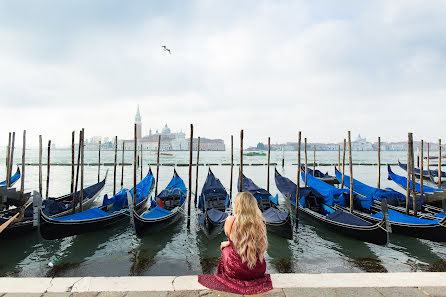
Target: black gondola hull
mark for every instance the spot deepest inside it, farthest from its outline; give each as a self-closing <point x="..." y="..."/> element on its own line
<point x="283" y="229"/>
<point x="374" y="234"/>
<point x="144" y="227"/>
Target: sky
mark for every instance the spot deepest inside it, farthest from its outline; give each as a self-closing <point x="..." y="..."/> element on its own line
<point x="270" y="67"/>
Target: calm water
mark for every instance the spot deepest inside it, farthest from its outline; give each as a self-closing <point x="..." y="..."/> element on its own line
<point x="118" y="252"/>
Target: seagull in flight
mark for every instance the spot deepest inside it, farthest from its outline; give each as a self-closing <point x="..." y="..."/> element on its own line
<point x="166" y="49"/>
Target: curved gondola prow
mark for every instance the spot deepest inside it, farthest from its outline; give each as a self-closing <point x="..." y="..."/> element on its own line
<point x="149" y="172"/>
<point x="175" y="174"/>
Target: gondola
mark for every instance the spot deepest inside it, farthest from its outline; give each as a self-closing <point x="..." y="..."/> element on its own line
<point x="426" y="227"/>
<point x="277" y="221"/>
<point x="417" y="170"/>
<point x="166" y="210"/>
<point x="319" y="209"/>
<point x="112" y="211"/>
<point x="325" y="177"/>
<point x="433" y="196"/>
<point x="56" y="207"/>
<point x="214" y="202"/>
<point x="14" y="178"/>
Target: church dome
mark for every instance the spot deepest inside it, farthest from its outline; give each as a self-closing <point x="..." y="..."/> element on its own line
<point x="166" y="130"/>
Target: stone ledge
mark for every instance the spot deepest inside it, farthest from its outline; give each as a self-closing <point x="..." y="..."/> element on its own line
<point x="190" y="283"/>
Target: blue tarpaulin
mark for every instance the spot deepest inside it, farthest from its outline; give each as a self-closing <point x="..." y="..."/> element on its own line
<point x="156" y="212"/>
<point x="395" y="216"/>
<point x="331" y="194"/>
<point x="15" y="177"/>
<point x="274" y="215"/>
<point x="212" y="187"/>
<point x="256" y="191"/>
<point x="402" y="181"/>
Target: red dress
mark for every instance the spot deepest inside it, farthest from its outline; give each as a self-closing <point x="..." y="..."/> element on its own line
<point x="235" y="277"/>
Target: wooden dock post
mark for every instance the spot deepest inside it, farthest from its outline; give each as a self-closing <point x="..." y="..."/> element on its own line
<point x="196" y="173"/>
<point x="283" y="157"/>
<point x="157" y="165"/>
<point x="99" y="161"/>
<point x="339" y="156"/>
<point x="428" y="157"/>
<point x="189" y="194"/>
<point x="8" y="160"/>
<point x="412" y="171"/>
<point x="351" y="170"/>
<point x="22" y="181"/>
<point x="422" y="168"/>
<point x="40" y="166"/>
<point x="306" y="163"/>
<point x="122" y="165"/>
<point x="268" y="161"/>
<point x="72" y="162"/>
<point x="140" y="146"/>
<point x="73" y="203"/>
<point x="114" y="165"/>
<point x="296" y="210"/>
<point x="439" y="163"/>
<point x="241" y="163"/>
<point x="408" y="174"/>
<point x="232" y="165"/>
<point x="379" y="162"/>
<point x="81" y="194"/>
<point x="314" y="159"/>
<point x="343" y="164"/>
<point x="48" y="165"/>
<point x="11" y="160"/>
<point x="135" y="167"/>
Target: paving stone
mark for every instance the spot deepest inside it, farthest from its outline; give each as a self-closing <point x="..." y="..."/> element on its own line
<point x="147" y="294"/>
<point x="401" y="292"/>
<point x="184" y="294"/>
<point x="434" y="291"/>
<point x="85" y="294"/>
<point x="272" y="293"/>
<point x="57" y="294"/>
<point x="307" y="292"/>
<point x="353" y="292"/>
<point x="22" y="295"/>
<point x="112" y="294"/>
<point x="213" y="293"/>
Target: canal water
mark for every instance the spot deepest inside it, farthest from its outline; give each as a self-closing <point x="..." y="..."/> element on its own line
<point x="179" y="251"/>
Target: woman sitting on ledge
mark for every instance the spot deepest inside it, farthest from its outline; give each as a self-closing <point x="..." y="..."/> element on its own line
<point x="241" y="268"/>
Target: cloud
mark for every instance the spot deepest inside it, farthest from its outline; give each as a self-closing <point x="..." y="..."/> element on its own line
<point x="270" y="67"/>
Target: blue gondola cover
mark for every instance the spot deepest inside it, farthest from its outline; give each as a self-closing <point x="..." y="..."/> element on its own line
<point x="212" y="185"/>
<point x="15" y="177"/>
<point x="347" y="218"/>
<point x="216" y="216"/>
<point x="274" y="215"/>
<point x="331" y="194"/>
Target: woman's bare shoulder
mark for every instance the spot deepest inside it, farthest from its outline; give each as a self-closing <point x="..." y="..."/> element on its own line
<point x="228" y="224"/>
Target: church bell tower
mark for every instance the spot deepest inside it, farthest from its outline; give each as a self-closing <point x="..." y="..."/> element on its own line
<point x="138" y="124"/>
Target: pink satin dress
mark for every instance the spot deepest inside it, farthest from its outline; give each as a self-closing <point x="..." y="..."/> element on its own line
<point x="234" y="276"/>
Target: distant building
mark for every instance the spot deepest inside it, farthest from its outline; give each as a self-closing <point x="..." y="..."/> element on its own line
<point x="361" y="144"/>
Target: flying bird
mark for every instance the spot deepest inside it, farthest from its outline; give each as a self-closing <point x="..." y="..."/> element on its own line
<point x="166" y="49"/>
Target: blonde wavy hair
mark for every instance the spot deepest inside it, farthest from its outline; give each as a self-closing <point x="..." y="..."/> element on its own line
<point x="249" y="230"/>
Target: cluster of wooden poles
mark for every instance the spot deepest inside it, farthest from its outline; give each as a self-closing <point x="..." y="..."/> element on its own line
<point x="78" y="168"/>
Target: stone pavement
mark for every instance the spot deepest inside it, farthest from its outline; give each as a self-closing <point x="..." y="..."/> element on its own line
<point x="286" y="285"/>
<point x="289" y="292"/>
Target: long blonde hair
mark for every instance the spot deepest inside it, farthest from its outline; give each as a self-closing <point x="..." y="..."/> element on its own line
<point x="249" y="230"/>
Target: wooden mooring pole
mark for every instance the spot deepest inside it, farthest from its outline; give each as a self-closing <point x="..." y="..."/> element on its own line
<point x="114" y="165"/>
<point x="232" y="165"/>
<point x="314" y="159"/>
<point x="283" y="157"/>
<point x="339" y="156"/>
<point x="11" y="160"/>
<point x="428" y="156"/>
<point x="296" y="210"/>
<point x="422" y="168"/>
<point x="73" y="203"/>
<point x="99" y="161"/>
<point x="157" y="165"/>
<point x="189" y="194"/>
<point x="351" y="169"/>
<point x="81" y="194"/>
<point x="379" y="162"/>
<point x="122" y="165"/>
<point x="408" y="174"/>
<point x="196" y="173"/>
<point x="135" y="165"/>
<point x="72" y="161"/>
<point x="241" y="163"/>
<point x="343" y="164"/>
<point x="140" y="146"/>
<point x="439" y="163"/>
<point x="268" y="161"/>
<point x="48" y="165"/>
<point x="306" y="163"/>
<point x="22" y="181"/>
<point x="40" y="166"/>
<point x="8" y="160"/>
<point x="412" y="171"/>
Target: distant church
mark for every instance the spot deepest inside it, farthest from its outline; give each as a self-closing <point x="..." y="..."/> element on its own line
<point x="169" y="141"/>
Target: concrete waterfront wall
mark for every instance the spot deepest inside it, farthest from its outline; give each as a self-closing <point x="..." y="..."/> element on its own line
<point x="190" y="283"/>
